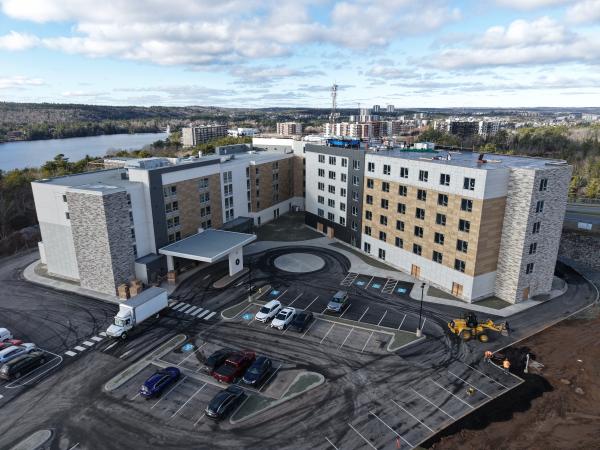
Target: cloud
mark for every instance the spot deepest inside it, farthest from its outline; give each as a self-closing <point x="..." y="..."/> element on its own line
<point x="19" y="82"/>
<point x="584" y="12"/>
<point x="15" y="41"/>
<point x="268" y="75"/>
<point x="532" y="4"/>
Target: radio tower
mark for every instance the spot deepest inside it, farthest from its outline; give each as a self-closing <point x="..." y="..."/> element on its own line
<point x="333" y="114"/>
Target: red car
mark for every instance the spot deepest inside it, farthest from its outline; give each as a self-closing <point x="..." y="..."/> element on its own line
<point x="10" y="342"/>
<point x="234" y="367"/>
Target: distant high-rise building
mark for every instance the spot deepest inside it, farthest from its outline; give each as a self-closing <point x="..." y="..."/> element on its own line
<point x="192" y="136"/>
<point x="376" y="108"/>
<point x="364" y="112"/>
<point x="390" y="108"/>
<point x="488" y="128"/>
<point x="463" y="128"/>
<point x="289" y="128"/>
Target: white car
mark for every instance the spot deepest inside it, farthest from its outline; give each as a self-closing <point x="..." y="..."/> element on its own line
<point x="283" y="319"/>
<point x="268" y="311"/>
<point x="15" y="350"/>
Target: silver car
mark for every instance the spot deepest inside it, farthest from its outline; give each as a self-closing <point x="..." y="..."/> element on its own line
<point x="339" y="302"/>
<point x="13" y="351"/>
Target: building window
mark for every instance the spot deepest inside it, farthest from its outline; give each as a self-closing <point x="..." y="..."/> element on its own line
<point x="321" y="186"/>
<point x="466" y="205"/>
<point x="438" y="238"/>
<point x="331" y="175"/>
<point x="321" y="172"/>
<point x="529" y="268"/>
<point x="536" y="228"/>
<point x="343" y="192"/>
<point x="440" y="219"/>
<point x="343" y="177"/>
<point x="464" y="225"/>
<point x="385" y="203"/>
<point x="320" y="212"/>
<point x="544" y="184"/>
<point x="321" y="158"/>
<point x="368" y="215"/>
<point x="356" y="180"/>
<point x="417" y="249"/>
<point x="331" y="189"/>
<point x="437" y="257"/>
<point x="402" y="191"/>
<point x="354" y="211"/>
<point x="422" y="195"/>
<point x="67" y="216"/>
<point x="64" y="197"/>
<point x="331" y="203"/>
<point x="399" y="242"/>
<point x="418" y="231"/>
<point x="382" y="254"/>
<point x="369" y="200"/>
<point x="203" y="183"/>
<point x="367" y="247"/>
<point x="387" y="169"/>
<point x="539" y="206"/>
<point x="205" y="197"/>
<point x="420" y="213"/>
<point x="382" y="236"/>
<point x="445" y="179"/>
<point x="344" y="162"/>
<point x="403" y="172"/>
<point x="442" y="200"/>
<point x="321" y="200"/>
<point x="533" y="248"/>
<point x="342" y="221"/>
<point x="356" y="164"/>
<point x="342" y="206"/>
<point x="383" y="220"/>
<point x="331" y="216"/>
<point x="401" y="208"/>
<point x="469" y="183"/>
<point x="462" y="246"/>
<point x="367" y="230"/>
<point x="459" y="265"/>
<point x="423" y="175"/>
<point x="385" y="186"/>
<point x="332" y="160"/>
<point x="371" y="167"/>
<point x="399" y="225"/>
<point x="370" y="183"/>
<point x="354" y="226"/>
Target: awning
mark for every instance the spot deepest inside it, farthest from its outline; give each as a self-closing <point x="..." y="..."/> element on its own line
<point x="208" y="246"/>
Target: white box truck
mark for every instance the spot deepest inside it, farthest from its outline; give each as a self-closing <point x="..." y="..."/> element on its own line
<point x="137" y="309"/>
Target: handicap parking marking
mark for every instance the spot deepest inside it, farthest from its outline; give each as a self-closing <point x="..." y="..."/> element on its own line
<point x="360" y="283"/>
<point x="376" y="285"/>
<point x="192" y="353"/>
<point x="369" y="282"/>
<point x="274" y="293"/>
<point x="162" y="397"/>
<point x="411" y="415"/>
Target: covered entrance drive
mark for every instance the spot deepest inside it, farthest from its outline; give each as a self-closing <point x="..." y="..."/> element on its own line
<point x="210" y="246"/>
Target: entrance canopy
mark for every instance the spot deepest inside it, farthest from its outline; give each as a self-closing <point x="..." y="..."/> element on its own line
<point x="208" y="246"/>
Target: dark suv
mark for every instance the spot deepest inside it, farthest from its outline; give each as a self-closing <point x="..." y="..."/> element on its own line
<point x="22" y="365"/>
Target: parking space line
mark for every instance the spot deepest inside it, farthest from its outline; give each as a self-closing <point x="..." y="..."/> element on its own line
<point x="466" y="382"/>
<point x="347" y="308"/>
<point x="410" y="414"/>
<point x="281" y="295"/>
<point x="393" y="431"/>
<point x="452" y="394"/>
<point x="368" y="339"/>
<point x="402" y="321"/>
<point x="195" y="351"/>
<point x="363" y="314"/>
<point x="369" y="282"/>
<point x="311" y="303"/>
<point x="326" y="334"/>
<point x="364" y="438"/>
<point x="381" y="320"/>
<point x="313" y="322"/>
<point x="75" y="446"/>
<point x="210" y="315"/>
<point x="432" y="404"/>
<point x="351" y="330"/>
<point x="485" y="375"/>
<point x="199" y="419"/>
<point x="188" y="400"/>
<point x="423" y="324"/>
<point x="331" y="443"/>
<point x="169" y="391"/>
<point x="266" y="383"/>
<point x="302" y="293"/>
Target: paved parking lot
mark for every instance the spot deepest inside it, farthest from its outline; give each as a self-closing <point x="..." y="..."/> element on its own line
<point x="35" y="376"/>
<point x="386" y="286"/>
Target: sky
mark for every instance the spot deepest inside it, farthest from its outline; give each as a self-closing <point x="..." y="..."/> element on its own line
<point x="251" y="53"/>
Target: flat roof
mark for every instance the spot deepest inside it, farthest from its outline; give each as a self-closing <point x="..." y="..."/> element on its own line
<point x="208" y="246"/>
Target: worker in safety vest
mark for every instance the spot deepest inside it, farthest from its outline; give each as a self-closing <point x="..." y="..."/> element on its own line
<point x="506" y="364"/>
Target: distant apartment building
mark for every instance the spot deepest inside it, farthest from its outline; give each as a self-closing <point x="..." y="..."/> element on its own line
<point x="590" y="117"/>
<point x="463" y="128"/>
<point x="488" y="128"/>
<point x="289" y="128"/>
<point x="390" y="108"/>
<point x="376" y="109"/>
<point x="239" y="132"/>
<point x="192" y="136"/>
<point x="360" y="130"/>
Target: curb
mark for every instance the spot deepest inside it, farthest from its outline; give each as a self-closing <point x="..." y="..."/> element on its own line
<point x="264" y="290"/>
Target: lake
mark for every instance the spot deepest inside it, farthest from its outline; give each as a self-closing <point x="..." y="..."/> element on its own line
<point x="18" y="155"/>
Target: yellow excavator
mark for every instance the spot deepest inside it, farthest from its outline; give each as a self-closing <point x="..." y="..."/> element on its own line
<point x="469" y="327"/>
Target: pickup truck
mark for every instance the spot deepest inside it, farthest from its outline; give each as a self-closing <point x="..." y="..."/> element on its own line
<point x="234" y="367"/>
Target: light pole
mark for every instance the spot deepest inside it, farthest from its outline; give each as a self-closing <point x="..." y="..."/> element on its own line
<point x="419" y="331"/>
<point x="249" y="279"/>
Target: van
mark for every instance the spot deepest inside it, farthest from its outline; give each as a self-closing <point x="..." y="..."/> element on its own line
<point x="22" y="365"/>
<point x="338" y="302"/>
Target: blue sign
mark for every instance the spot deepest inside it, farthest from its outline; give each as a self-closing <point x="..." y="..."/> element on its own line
<point x="360" y="283"/>
<point x="376" y="285"/>
<point x="187" y="348"/>
<point x="275" y="293"/>
<point x="248" y="316"/>
<point x="401" y="290"/>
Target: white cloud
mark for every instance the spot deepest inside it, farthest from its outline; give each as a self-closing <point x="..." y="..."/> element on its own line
<point x="522" y="33"/>
<point x="532" y="4"/>
<point x="14" y="41"/>
<point x="19" y="82"/>
<point x="584" y="12"/>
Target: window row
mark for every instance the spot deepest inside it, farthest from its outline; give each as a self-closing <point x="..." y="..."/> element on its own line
<point x="333" y="160"/>
<point x="468" y="183"/>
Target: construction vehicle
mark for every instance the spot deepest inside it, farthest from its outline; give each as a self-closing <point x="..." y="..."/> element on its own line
<point x="469" y="327"/>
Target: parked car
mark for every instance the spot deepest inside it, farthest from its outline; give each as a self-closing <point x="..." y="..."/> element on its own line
<point x="10" y="343"/>
<point x="257" y="372"/>
<point x="268" y="311"/>
<point x="216" y="359"/>
<point x="301" y="320"/>
<point x="224" y="402"/>
<point x="338" y="302"/>
<point x="15" y="351"/>
<point x="283" y="318"/>
<point x="7" y="339"/>
<point x="158" y="382"/>
<point x="234" y="367"/>
<point x="22" y="365"/>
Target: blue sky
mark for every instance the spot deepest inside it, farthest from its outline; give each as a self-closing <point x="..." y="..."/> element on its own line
<point x="251" y="53"/>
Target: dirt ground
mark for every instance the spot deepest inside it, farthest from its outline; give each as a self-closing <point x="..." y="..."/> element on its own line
<point x="557" y="408"/>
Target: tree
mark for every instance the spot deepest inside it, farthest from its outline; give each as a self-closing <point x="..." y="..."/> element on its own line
<point x="592" y="189"/>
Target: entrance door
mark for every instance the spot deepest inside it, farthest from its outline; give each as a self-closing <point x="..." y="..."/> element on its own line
<point x="330" y="232"/>
<point x="319" y="227"/>
<point x="415" y="271"/>
<point x="457" y="289"/>
<point x="526" y="293"/>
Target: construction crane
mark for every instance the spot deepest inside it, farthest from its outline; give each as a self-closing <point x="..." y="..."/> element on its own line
<point x="469" y="327"/>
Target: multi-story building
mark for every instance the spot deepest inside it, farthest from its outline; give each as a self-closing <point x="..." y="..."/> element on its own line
<point x="289" y="128"/>
<point x="463" y="128"/>
<point x="105" y="228"/>
<point x="488" y="128"/>
<point x="360" y="130"/>
<point x="376" y="109"/>
<point x="238" y="132"/>
<point x="390" y="108"/>
<point x="192" y="136"/>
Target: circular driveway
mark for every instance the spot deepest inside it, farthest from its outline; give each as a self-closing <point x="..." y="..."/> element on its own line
<point x="299" y="262"/>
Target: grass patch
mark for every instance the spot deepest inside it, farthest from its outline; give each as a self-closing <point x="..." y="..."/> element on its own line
<point x="232" y="312"/>
<point x="255" y="403"/>
<point x="303" y="383"/>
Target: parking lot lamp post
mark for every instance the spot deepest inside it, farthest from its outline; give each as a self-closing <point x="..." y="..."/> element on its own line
<point x="419" y="331"/>
<point x="249" y="279"/>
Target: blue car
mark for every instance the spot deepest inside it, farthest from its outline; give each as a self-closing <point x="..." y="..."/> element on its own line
<point x="158" y="382"/>
<point x="257" y="371"/>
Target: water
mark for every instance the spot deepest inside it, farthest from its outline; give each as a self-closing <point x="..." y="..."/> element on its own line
<point x="18" y="155"/>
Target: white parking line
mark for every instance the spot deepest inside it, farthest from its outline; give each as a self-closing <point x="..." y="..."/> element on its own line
<point x="296" y="299"/>
<point x="452" y="394"/>
<point x="393" y="431"/>
<point x="193" y="310"/>
<point x="466" y="382"/>
<point x="326" y="334"/>
<point x="369" y="282"/>
<point x="169" y="391"/>
<point x="266" y="383"/>
<point x="199" y="419"/>
<point x="331" y="443"/>
<point x="186" y="309"/>
<point x="432" y="404"/>
<point x="210" y="315"/>
<point x="200" y="316"/>
<point x="381" y="320"/>
<point x="364" y="438"/>
<point x="407" y="412"/>
<point x="351" y="330"/>
<point x="179" y="306"/>
<point x="485" y="375"/>
<point x="313" y="322"/>
<point x="75" y="446"/>
<point x="79" y="348"/>
<point x="70" y="353"/>
<point x="88" y="343"/>
<point x="197" y="313"/>
<point x="423" y="324"/>
<point x="281" y="295"/>
<point x="347" y="308"/>
<point x="363" y="314"/>
<point x="188" y="400"/>
<point x="402" y="321"/>
<point x="368" y="339"/>
<point x="311" y="303"/>
<point x="97" y="338"/>
<point x="207" y="276"/>
<point x="25" y="380"/>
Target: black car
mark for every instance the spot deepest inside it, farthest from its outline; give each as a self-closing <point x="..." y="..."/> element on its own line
<point x="301" y="321"/>
<point x="224" y="402"/>
<point x="216" y="359"/>
<point x="257" y="372"/>
<point x="22" y="365"/>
